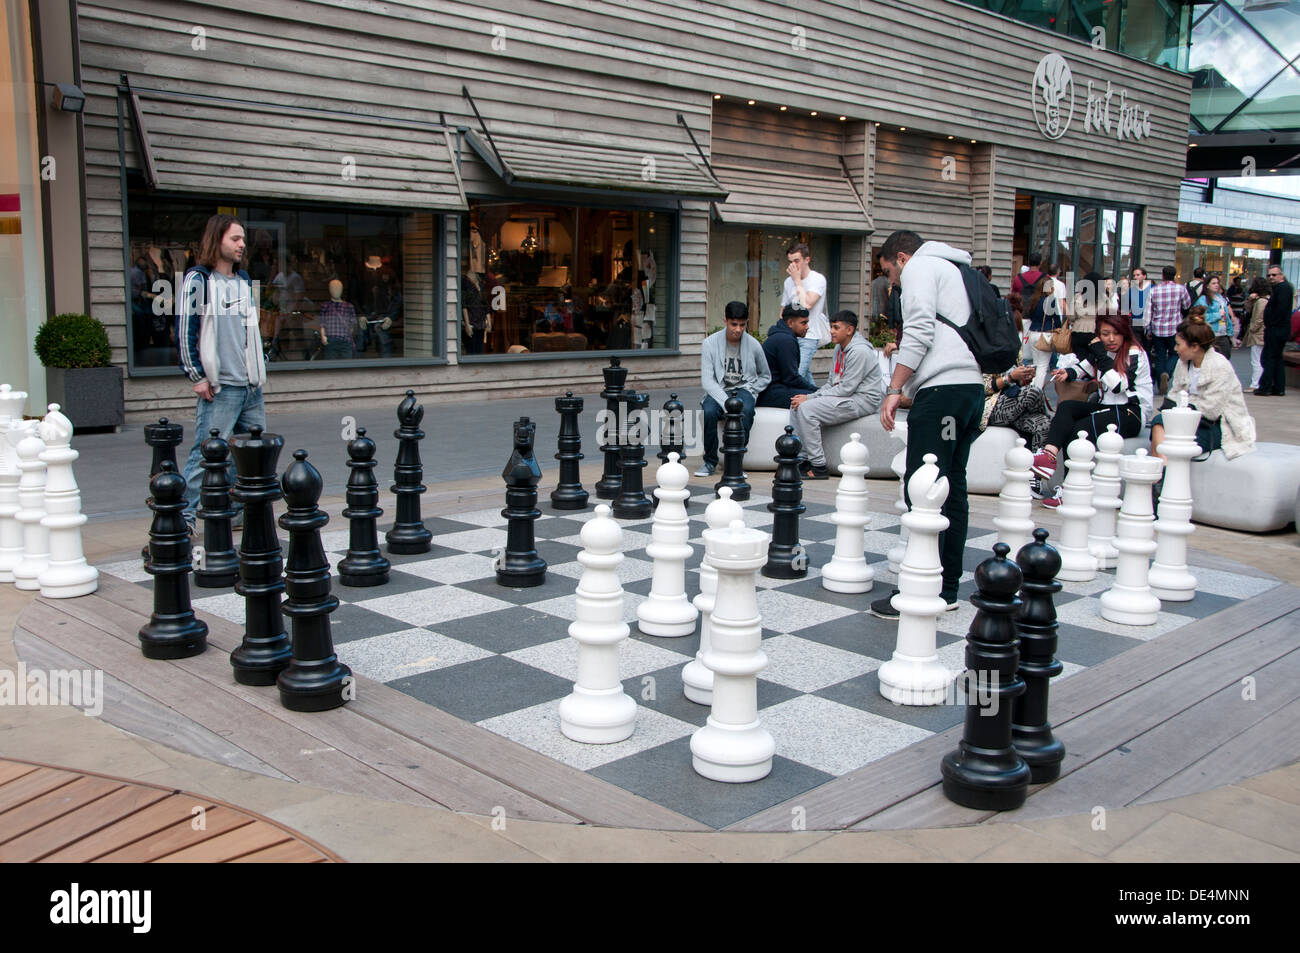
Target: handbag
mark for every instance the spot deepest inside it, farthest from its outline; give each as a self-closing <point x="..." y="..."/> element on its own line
<point x="1042" y="342"/>
<point x="1061" y="339"/>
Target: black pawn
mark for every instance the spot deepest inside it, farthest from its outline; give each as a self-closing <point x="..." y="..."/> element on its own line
<point x="519" y="566"/>
<point x="265" y="648"/>
<point x="172" y="630"/>
<point x="1031" y="732"/>
<point x="163" y="438"/>
<point x="632" y="502"/>
<point x="985" y="772"/>
<point x="314" y="680"/>
<point x="408" y="535"/>
<point x="672" y="430"/>
<point x="219" y="566"/>
<point x="364" y="565"/>
<point x="733" y="450"/>
<point x="568" y="493"/>
<point x="608" y="486"/>
<point x="785" y="557"/>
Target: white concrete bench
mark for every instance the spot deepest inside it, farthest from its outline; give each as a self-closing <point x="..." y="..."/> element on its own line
<point x="1256" y="492"/>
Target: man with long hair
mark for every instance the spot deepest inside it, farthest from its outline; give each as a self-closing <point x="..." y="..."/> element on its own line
<point x="220" y="346"/>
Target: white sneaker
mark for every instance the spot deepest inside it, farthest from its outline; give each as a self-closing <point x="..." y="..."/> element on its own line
<point x="705" y="470"/>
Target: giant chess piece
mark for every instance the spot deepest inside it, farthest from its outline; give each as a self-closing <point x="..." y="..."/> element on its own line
<point x="1130" y="600"/>
<point x="1105" y="498"/>
<point x="1169" y="577"/>
<point x="315" y="679"/>
<point x="914" y="675"/>
<point x="218" y="565"/>
<point x="1078" y="564"/>
<point x="162" y="438"/>
<point x="12" y="431"/>
<point x="1014" y="521"/>
<point x="265" y="648"/>
<point x="697" y="679"/>
<point x="848" y="570"/>
<point x="732" y="746"/>
<point x="899" y="466"/>
<point x="786" y="559"/>
<point x="364" y="565"/>
<point x="31" y="499"/>
<point x="986" y="772"/>
<point x="667" y="612"/>
<point x="408" y="536"/>
<point x="568" y="493"/>
<point x="608" y="486"/>
<point x="68" y="575"/>
<point x="632" y="503"/>
<point x="519" y="566"/>
<point x="1031" y="732"/>
<point x="733" y="450"/>
<point x="172" y="631"/>
<point x="598" y="711"/>
<point x="672" y="430"/>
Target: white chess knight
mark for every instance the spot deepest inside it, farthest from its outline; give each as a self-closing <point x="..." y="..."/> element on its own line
<point x="1078" y="564"/>
<point x="1169" y="577"/>
<point x="732" y="746"/>
<point x="1014" y="522"/>
<point x="914" y="675"/>
<point x="12" y="430"/>
<point x="848" y="570"/>
<point x="1105" y="498"/>
<point x="31" y="501"/>
<point x="667" y="612"/>
<point x="899" y="466"/>
<point x="68" y="574"/>
<point x="1130" y="600"/>
<point x="697" y="680"/>
<point x="598" y="711"/>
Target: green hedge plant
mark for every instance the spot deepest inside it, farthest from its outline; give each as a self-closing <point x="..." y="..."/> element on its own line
<point x="73" y="340"/>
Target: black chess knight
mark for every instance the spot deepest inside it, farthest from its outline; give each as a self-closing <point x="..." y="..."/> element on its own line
<point x="520" y="567"/>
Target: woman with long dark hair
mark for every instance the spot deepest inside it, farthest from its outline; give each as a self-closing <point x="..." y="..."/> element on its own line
<point x="1042" y="314"/>
<point x="1218" y="314"/>
<point x="1253" y="334"/>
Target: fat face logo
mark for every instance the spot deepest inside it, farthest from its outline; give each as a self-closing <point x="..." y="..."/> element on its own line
<point x="1052" y="95"/>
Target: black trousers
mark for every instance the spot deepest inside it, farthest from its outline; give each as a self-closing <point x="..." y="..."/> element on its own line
<point x="1075" y="415"/>
<point x="1272" y="379"/>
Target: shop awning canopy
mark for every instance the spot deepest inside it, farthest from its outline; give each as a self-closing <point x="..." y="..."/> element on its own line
<point x="254" y="150"/>
<point x="775" y="198"/>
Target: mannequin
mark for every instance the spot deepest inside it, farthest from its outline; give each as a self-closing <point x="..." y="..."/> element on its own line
<point x="475" y="315"/>
<point x="338" y="321"/>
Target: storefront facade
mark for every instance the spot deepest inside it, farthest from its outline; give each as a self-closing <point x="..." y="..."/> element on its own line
<point x="504" y="200"/>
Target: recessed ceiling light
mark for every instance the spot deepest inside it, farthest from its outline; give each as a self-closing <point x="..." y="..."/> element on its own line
<point x="877" y="125"/>
<point x="950" y="137"/>
<point x="717" y="95"/>
<point x="1191" y="145"/>
<point x="751" y="102"/>
<point x="902" y="129"/>
<point x="972" y="142"/>
<point x="813" y="113"/>
<point x="784" y="108"/>
<point x="843" y="118"/>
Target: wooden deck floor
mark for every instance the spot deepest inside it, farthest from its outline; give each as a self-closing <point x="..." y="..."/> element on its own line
<point x="1164" y="719"/>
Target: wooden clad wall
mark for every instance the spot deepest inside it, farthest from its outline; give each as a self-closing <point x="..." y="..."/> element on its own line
<point x="855" y="251"/>
<point x="912" y="191"/>
<point x="769" y="139"/>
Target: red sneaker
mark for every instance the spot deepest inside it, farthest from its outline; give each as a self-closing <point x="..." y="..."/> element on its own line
<point x="1054" y="500"/>
<point x="1044" y="464"/>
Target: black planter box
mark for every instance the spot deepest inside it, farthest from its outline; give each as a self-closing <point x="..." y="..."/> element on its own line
<point x="91" y="397"/>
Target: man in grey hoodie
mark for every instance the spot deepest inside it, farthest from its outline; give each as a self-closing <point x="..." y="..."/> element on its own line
<point x="732" y="363"/>
<point x="939" y="373"/>
<point x="854" y="390"/>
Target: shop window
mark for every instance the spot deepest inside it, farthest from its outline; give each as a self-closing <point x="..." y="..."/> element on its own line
<point x="541" y="278"/>
<point x="1109" y="240"/>
<point x="1087" y="241"/>
<point x="749" y="265"/>
<point x="1063" y="253"/>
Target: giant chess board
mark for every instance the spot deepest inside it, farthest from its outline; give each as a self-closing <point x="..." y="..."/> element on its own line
<point x="443" y="631"/>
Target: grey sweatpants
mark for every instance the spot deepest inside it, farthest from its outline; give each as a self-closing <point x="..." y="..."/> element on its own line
<point x="818" y="412"/>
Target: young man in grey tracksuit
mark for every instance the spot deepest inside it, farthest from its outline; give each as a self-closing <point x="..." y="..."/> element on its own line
<point x="732" y="364"/>
<point x="854" y="389"/>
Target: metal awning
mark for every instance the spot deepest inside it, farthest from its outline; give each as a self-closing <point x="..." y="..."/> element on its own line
<point x="775" y="198"/>
<point x="257" y="150"/>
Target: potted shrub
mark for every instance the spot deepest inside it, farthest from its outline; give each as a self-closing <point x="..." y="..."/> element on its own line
<point x="75" y="352"/>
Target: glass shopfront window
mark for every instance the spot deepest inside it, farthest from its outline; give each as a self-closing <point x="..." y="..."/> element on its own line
<point x="1067" y="233"/>
<point x="750" y="265"/>
<point x="1226" y="259"/>
<point x="331" y="284"/>
<point x="540" y="278"/>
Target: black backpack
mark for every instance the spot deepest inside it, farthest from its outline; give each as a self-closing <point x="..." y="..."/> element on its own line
<point x="991" y="331"/>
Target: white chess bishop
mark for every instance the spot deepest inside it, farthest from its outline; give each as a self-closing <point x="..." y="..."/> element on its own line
<point x="67" y="575"/>
<point x="697" y="680"/>
<point x="848" y="570"/>
<point x="667" y="612"/>
<point x="1170" y="579"/>
<point x="1130" y="600"/>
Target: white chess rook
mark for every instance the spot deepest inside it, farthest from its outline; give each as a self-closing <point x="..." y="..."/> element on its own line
<point x="68" y="574"/>
<point x="667" y="612"/>
<point x="598" y="711"/>
<point x="1169" y="577"/>
<point x="12" y="431"/>
<point x="1014" y="522"/>
<point x="1130" y="600"/>
<point x="697" y="680"/>
<point x="732" y="746"/>
<point x="1078" y="564"/>
<point x="914" y="676"/>
<point x="1105" y="498"/>
<point x="848" y="570"/>
<point x="899" y="466"/>
<point x="31" y="500"/>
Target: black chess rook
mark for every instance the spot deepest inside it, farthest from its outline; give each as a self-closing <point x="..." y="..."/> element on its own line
<point x="785" y="557"/>
<point x="1031" y="732"/>
<point x="172" y="631"/>
<point x="611" y="481"/>
<point x="408" y="536"/>
<point x="632" y="502"/>
<point x="219" y="566"/>
<point x="364" y="564"/>
<point x="520" y="567"/>
<point x="733" y="450"/>
<point x="162" y="438"/>
<point x="568" y="493"/>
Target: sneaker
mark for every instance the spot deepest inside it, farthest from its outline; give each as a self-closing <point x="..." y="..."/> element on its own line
<point x="1054" y="500"/>
<point x="884" y="608"/>
<point x="813" y="472"/>
<point x="706" y="470"/>
<point x="1044" y="464"/>
<point x="1036" y="488"/>
<point x="193" y="531"/>
<point x="1164" y="382"/>
<point x="951" y="606"/>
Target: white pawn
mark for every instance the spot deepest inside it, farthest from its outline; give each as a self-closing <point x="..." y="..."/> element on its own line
<point x="68" y="574"/>
<point x="667" y="612"/>
<point x="598" y="711"/>
<point x="1014" y="522"/>
<point x="31" y="500"/>
<point x="732" y="746"/>
<point x="12" y="430"/>
<point x="848" y="570"/>
<point x="1077" y="563"/>
<point x="1130" y="600"/>
<point x="914" y="675"/>
<point x="1169" y="577"/>
<point x="1105" y="498"/>
<point x="697" y="679"/>
<point x="899" y="466"/>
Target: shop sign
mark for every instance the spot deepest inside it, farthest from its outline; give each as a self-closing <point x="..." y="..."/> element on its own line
<point x="1053" y="99"/>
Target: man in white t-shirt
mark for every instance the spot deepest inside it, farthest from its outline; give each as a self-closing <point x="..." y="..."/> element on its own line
<point x="806" y="289"/>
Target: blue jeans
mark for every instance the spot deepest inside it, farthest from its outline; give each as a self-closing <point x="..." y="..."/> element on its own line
<point x="1164" y="359"/>
<point x="807" y="348"/>
<point x="231" y="410"/>
<point x="713" y="414"/>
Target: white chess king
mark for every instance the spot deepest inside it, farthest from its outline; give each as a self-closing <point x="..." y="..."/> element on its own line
<point x="1170" y="579"/>
<point x="667" y="612"/>
<point x="848" y="570"/>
